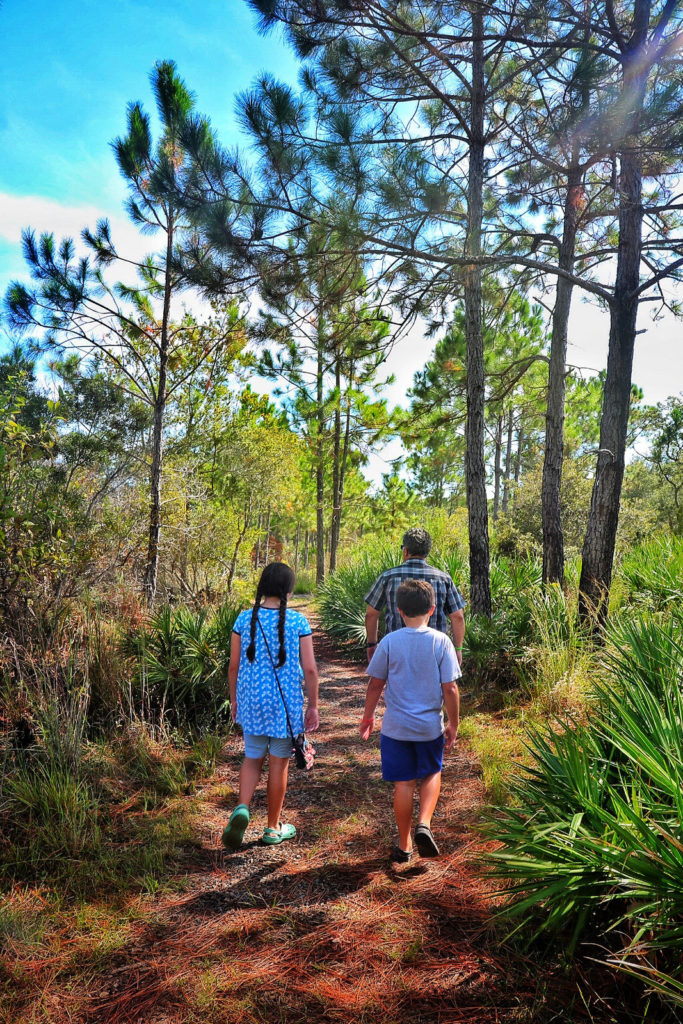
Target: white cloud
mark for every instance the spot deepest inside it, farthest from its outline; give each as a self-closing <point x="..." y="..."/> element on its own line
<point x="63" y="219"/>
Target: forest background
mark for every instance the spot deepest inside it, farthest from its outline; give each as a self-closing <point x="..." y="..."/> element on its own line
<point x="482" y="200"/>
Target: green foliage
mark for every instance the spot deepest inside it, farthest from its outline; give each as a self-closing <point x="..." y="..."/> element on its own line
<point x="32" y="542"/>
<point x="51" y="814"/>
<point x="653" y="573"/>
<point x="592" y="843"/>
<point x="340" y="597"/>
<point x="181" y="666"/>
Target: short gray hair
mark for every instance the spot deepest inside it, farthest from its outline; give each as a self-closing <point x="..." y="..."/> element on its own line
<point x="417" y="541"/>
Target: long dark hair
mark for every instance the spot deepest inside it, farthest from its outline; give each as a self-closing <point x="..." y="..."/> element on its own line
<point x="277" y="580"/>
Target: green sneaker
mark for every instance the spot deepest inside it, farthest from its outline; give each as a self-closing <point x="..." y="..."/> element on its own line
<point x="275" y="836"/>
<point x="233" y="833"/>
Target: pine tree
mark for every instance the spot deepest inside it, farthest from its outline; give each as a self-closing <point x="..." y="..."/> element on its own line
<point x="130" y="326"/>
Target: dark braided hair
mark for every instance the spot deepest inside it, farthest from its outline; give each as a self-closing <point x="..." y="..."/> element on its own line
<point x="277" y="580"/>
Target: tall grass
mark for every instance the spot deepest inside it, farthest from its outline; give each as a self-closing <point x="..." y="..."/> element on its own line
<point x="592" y="845"/>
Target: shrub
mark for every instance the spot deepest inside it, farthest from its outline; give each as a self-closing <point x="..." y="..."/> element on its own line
<point x="181" y="667"/>
<point x="653" y="573"/>
<point x="592" y="843"/>
<point x="304" y="583"/>
<point x="340" y="598"/>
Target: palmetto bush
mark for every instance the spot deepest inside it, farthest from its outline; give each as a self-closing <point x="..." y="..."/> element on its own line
<point x="592" y="845"/>
<point x="340" y="597"/>
<point x="653" y="573"/>
<point x="495" y="648"/>
<point x="181" y="666"/>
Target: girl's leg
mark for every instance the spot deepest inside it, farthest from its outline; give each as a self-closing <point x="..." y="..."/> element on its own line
<point x="250" y="773"/>
<point x="278" y="773"/>
<point x="403" y="812"/>
<point x="429" y="795"/>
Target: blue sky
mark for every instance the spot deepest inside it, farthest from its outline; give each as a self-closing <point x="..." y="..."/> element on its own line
<point x="68" y="70"/>
<point x="70" y="67"/>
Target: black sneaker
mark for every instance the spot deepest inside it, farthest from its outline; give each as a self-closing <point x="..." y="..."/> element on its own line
<point x="424" y="840"/>
<point x="400" y="856"/>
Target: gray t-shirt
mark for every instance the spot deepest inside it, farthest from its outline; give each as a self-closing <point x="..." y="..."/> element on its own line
<point x="416" y="663"/>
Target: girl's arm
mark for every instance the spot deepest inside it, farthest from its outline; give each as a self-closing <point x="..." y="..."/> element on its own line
<point x="233" y="666"/>
<point x="311" y="682"/>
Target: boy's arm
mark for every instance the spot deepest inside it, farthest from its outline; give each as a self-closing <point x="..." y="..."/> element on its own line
<point x="311" y="682"/>
<point x="451" y="699"/>
<point x="375" y="687"/>
<point x="233" y="666"/>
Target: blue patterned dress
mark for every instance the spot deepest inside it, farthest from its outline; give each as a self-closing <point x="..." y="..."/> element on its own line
<point x="259" y="705"/>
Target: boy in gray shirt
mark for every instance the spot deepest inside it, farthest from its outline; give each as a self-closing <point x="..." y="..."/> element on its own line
<point x="418" y="666"/>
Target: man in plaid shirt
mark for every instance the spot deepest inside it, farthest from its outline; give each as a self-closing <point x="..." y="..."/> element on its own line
<point x="449" y="602"/>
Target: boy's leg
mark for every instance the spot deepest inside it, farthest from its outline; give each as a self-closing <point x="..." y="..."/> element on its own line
<point x="278" y="773"/>
<point x="429" y="795"/>
<point x="403" y="812"/>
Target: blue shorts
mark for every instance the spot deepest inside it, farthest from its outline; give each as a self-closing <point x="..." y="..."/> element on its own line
<point x="258" y="746"/>
<point x="405" y="760"/>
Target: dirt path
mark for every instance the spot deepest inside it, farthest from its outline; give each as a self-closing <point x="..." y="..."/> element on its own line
<point x="324" y="928"/>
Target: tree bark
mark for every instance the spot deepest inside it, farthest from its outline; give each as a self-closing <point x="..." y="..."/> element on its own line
<point x="497" y="470"/>
<point x="520" y="449"/>
<point x="265" y="557"/>
<point x="320" y="464"/>
<point x="551" y="488"/>
<point x="336" y="467"/>
<point x="603" y="519"/>
<point x="508" y="462"/>
<point x="238" y="543"/>
<point x="343" y="462"/>
<point x="149" y="585"/>
<point x="475" y="464"/>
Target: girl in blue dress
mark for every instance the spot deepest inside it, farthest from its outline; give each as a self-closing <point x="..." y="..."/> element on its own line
<point x="257" y="704"/>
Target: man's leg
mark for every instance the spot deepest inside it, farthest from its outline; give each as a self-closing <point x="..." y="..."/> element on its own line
<point x="403" y="811"/>
<point x="429" y="795"/>
<point x="278" y="773"/>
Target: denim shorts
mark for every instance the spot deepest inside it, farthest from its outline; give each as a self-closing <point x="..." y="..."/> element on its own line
<point x="258" y="746"/>
<point x="405" y="760"/>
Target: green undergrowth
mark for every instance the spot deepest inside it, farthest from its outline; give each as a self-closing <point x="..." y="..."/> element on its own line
<point x="113" y="822"/>
<point x="591" y="844"/>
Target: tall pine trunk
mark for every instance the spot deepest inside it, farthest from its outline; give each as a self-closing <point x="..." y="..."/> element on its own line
<point x="520" y="449"/>
<point x="600" y="539"/>
<point x="508" y="462"/>
<point x="149" y="585"/>
<point x="475" y="464"/>
<point x="336" y="467"/>
<point x="320" y="464"/>
<point x="551" y="500"/>
<point x="497" y="466"/>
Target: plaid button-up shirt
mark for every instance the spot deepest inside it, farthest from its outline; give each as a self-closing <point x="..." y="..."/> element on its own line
<point x="383" y="593"/>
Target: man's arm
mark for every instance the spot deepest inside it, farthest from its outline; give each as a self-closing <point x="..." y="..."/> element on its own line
<point x="458" y="627"/>
<point x="374" y="692"/>
<point x="451" y="699"/>
<point x="371" y="627"/>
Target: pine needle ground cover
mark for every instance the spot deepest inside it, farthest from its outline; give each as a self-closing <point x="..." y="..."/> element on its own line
<point x="321" y="929"/>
